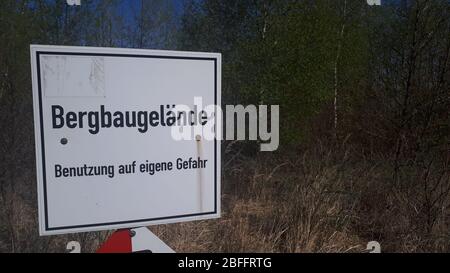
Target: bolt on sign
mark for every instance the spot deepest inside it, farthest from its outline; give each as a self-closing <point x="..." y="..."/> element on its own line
<point x="105" y="155"/>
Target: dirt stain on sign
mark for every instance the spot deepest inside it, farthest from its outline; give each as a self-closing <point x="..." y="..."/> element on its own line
<point x="73" y="76"/>
<point x="97" y="75"/>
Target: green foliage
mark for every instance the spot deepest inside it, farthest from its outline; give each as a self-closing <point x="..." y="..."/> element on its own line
<point x="281" y="52"/>
<point x="387" y="68"/>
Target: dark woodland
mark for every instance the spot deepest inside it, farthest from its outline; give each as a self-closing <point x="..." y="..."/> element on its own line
<point x="364" y="95"/>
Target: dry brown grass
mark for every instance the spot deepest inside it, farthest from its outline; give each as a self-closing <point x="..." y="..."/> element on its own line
<point x="321" y="201"/>
<point x="300" y="201"/>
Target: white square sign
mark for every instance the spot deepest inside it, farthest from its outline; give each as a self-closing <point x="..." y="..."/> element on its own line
<point x="105" y="154"/>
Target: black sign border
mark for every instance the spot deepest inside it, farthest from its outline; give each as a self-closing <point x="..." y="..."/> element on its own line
<point x="44" y="175"/>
